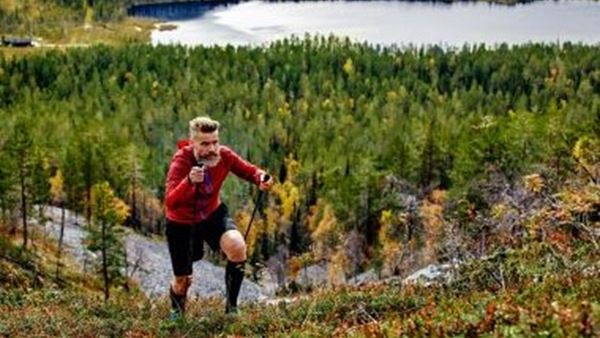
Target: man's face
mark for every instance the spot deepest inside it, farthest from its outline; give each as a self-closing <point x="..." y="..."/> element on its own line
<point x="206" y="147"/>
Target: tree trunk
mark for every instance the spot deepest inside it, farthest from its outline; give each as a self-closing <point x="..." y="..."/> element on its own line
<point x="134" y="216"/>
<point x="41" y="210"/>
<point x="88" y="203"/>
<point x="23" y="203"/>
<point x="12" y="220"/>
<point x="60" y="239"/>
<point x="126" y="281"/>
<point x="105" y="263"/>
<point x="141" y="212"/>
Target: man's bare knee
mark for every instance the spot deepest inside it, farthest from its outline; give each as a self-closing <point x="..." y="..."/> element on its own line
<point x="238" y="254"/>
<point x="181" y="284"/>
<point x="232" y="243"/>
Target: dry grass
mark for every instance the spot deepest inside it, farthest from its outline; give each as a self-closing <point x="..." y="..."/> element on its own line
<point x="114" y="33"/>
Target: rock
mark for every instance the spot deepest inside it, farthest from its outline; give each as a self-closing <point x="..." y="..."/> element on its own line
<point x="431" y="274"/>
<point x="369" y="276"/>
<point x="268" y="285"/>
<point x="313" y="275"/>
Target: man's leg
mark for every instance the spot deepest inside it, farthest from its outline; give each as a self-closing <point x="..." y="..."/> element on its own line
<point x="233" y="245"/>
<point x="179" y="239"/>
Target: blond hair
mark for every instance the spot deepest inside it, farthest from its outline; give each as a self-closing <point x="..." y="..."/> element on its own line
<point x="203" y="124"/>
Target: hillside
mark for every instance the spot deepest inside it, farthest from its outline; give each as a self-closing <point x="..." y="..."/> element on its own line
<point x="508" y="294"/>
<point x="545" y="280"/>
<point x="561" y="305"/>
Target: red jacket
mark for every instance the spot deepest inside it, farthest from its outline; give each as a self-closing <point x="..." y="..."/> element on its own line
<point x="190" y="203"/>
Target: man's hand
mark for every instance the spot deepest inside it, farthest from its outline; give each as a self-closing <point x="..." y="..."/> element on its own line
<point x="266" y="182"/>
<point x="196" y="175"/>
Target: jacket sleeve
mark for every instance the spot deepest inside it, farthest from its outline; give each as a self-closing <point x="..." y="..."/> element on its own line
<point x="242" y="168"/>
<point x="178" y="187"/>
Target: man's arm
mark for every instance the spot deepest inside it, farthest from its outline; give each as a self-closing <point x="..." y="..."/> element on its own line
<point x="240" y="167"/>
<point x="179" y="187"/>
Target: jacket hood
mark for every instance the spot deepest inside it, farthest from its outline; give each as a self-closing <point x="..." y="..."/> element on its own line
<point x="183" y="143"/>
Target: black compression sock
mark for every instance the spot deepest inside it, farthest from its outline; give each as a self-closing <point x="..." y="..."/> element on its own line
<point x="234" y="275"/>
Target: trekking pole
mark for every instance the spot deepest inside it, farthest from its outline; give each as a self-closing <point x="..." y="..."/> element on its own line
<point x="265" y="178"/>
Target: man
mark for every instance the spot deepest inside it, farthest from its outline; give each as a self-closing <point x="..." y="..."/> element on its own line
<point x="195" y="213"/>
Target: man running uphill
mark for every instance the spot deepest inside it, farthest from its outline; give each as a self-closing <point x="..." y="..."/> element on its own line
<point x="195" y="213"/>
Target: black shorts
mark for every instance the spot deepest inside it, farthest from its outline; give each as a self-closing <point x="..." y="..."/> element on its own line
<point x="186" y="242"/>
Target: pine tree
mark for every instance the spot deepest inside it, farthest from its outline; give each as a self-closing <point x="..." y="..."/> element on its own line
<point x="106" y="235"/>
<point x="20" y="146"/>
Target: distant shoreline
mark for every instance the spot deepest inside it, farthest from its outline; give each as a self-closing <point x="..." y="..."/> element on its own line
<point x="136" y="3"/>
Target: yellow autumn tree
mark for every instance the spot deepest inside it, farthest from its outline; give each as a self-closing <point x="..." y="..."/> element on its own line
<point x="58" y="196"/>
<point x="349" y="66"/>
<point x="57" y="192"/>
<point x="431" y="213"/>
<point x="324" y="229"/>
<point x="288" y="192"/>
